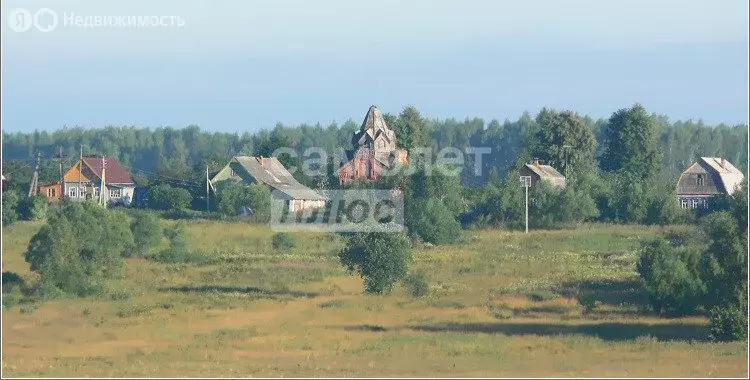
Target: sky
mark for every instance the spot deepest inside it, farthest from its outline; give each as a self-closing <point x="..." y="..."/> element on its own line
<point x="239" y="66"/>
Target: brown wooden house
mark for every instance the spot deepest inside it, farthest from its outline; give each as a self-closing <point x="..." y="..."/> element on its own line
<point x="706" y="177"/>
<point x="51" y="191"/>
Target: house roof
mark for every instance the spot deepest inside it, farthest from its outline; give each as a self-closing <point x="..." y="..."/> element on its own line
<point x="373" y="126"/>
<point x="545" y="171"/>
<point x="115" y="173"/>
<point x="275" y="175"/>
<point x="729" y="176"/>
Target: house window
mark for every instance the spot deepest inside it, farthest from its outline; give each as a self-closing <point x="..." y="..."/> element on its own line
<point x="684" y="203"/>
<point x="72" y="192"/>
<point x="701" y="180"/>
<point x="695" y="203"/>
<point x="114" y="193"/>
<point x="96" y="192"/>
<point x="232" y="173"/>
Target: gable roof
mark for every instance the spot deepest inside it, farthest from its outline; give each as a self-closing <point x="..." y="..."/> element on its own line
<point x="272" y="173"/>
<point x="116" y="173"/>
<point x="545" y="171"/>
<point x="729" y="176"/>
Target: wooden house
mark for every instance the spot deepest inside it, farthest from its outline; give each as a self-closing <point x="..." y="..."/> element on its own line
<point x="539" y="172"/>
<point x="270" y="172"/>
<point x="51" y="191"/>
<point x="706" y="177"/>
<point x="83" y="180"/>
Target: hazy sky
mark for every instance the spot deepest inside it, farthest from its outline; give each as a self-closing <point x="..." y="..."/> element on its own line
<point x="244" y="65"/>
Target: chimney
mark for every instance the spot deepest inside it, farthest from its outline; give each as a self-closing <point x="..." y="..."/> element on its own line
<point x="723" y="162"/>
<point x="535" y="161"/>
<point x="261" y="160"/>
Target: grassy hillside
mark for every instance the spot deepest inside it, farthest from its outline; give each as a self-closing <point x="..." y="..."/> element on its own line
<point x="500" y="304"/>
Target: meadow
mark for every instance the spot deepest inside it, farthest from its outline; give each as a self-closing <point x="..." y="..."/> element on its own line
<point x="500" y="304"/>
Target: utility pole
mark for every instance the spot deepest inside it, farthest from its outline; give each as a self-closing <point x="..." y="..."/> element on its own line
<point x="208" y="207"/>
<point x="526" y="180"/>
<point x="60" y="157"/>
<point x="80" y="169"/>
<point x="103" y="186"/>
<point x="35" y="181"/>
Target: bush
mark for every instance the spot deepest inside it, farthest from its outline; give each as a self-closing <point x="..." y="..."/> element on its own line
<point x="381" y="258"/>
<point x="728" y="323"/>
<point x="282" y="241"/>
<point x="147" y="232"/>
<point x="435" y="223"/>
<point x="79" y="249"/>
<point x="165" y="197"/>
<point x="11" y="296"/>
<point x="416" y="284"/>
<point x="664" y="209"/>
<point x="10" y="207"/>
<point x="33" y="208"/>
<point x="588" y="302"/>
<point x="233" y="197"/>
<point x="10" y="280"/>
<point x="179" y="248"/>
<point x="671" y="277"/>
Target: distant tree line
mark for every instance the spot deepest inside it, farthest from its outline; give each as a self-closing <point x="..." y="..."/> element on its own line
<point x="620" y="169"/>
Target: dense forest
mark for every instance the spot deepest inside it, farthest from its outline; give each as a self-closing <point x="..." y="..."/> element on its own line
<point x="181" y="154"/>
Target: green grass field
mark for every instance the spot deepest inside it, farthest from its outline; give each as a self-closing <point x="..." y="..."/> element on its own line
<point x="500" y="304"/>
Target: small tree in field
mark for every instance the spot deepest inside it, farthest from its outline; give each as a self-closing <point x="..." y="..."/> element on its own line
<point x="147" y="232"/>
<point x="80" y="248"/>
<point x="381" y="258"/>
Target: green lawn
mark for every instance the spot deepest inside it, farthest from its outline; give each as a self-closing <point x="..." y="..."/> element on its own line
<point x="501" y="304"/>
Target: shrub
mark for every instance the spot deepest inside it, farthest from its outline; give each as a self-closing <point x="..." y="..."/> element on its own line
<point x="416" y="284"/>
<point x="435" y="223"/>
<point x="728" y="323"/>
<point x="282" y="241"/>
<point x="671" y="277"/>
<point x="381" y="258"/>
<point x="33" y="208"/>
<point x="11" y="296"/>
<point x="10" y="280"/>
<point x="147" y="232"/>
<point x="10" y="207"/>
<point x="179" y="248"/>
<point x="233" y="197"/>
<point x="79" y="249"/>
<point x="588" y="302"/>
<point x="165" y="197"/>
<point x="724" y="264"/>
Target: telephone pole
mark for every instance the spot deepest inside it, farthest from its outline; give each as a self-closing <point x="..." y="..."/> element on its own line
<point x="103" y="186"/>
<point x="208" y="207"/>
<point x="80" y="170"/>
<point x="526" y="180"/>
<point x="60" y="157"/>
<point x="35" y="181"/>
